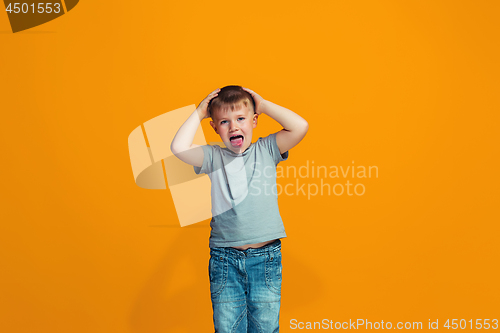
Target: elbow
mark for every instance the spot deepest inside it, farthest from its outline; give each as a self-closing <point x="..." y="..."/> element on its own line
<point x="305" y="127"/>
<point x="177" y="149"/>
<point x="174" y="149"/>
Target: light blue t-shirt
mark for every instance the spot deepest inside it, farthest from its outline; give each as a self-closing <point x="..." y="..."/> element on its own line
<point x="244" y="193"/>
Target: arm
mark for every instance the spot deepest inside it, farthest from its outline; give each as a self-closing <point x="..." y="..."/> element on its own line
<point x="294" y="126"/>
<point x="182" y="145"/>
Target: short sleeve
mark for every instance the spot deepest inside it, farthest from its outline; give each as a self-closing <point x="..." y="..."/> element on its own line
<point x="271" y="145"/>
<point x="207" y="165"/>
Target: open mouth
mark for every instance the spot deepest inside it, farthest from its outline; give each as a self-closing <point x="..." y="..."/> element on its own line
<point x="236" y="140"/>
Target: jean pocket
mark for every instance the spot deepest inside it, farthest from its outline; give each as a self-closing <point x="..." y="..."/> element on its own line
<point x="273" y="272"/>
<point x="217" y="268"/>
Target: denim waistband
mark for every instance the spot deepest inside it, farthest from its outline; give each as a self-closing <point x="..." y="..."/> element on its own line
<point x="250" y="252"/>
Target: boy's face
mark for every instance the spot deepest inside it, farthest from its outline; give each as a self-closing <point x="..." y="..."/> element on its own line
<point x="235" y="127"/>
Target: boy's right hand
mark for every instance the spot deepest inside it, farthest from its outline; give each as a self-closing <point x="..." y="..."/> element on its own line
<point x="202" y="109"/>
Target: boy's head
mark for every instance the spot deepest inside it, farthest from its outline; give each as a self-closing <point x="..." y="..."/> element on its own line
<point x="233" y="117"/>
<point x="230" y="98"/>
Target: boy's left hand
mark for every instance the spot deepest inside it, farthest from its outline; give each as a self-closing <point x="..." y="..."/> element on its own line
<point x="259" y="101"/>
<point x="294" y="126"/>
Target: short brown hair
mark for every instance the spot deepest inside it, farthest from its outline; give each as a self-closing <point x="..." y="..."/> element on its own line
<point x="231" y="98"/>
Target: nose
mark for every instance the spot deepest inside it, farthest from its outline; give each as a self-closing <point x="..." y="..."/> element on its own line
<point x="232" y="126"/>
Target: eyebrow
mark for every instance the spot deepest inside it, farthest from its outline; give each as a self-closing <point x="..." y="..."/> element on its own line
<point x="226" y="118"/>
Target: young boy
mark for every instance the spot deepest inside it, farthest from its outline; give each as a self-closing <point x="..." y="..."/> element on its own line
<point x="245" y="246"/>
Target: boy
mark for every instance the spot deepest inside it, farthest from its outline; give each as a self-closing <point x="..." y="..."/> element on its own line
<point x="245" y="246"/>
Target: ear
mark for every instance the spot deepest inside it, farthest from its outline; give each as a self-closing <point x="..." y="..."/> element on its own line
<point x="213" y="126"/>
<point x="254" y="119"/>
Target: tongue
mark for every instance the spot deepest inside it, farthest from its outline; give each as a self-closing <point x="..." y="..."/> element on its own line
<point x="236" y="142"/>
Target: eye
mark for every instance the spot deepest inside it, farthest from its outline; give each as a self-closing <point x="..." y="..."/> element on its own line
<point x="223" y="122"/>
<point x="241" y="118"/>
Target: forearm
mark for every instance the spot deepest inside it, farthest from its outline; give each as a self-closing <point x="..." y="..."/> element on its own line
<point x="290" y="121"/>
<point x="184" y="137"/>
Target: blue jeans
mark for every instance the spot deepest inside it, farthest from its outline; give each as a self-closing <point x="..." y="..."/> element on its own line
<point x="246" y="288"/>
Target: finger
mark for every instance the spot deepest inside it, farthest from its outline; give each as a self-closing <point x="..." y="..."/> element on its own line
<point x="210" y="97"/>
<point x="214" y="92"/>
<point x="250" y="92"/>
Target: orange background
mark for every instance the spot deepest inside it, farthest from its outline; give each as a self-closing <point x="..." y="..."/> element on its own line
<point x="410" y="87"/>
